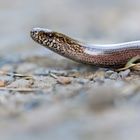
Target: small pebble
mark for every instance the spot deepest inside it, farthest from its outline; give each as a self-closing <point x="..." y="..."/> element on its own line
<point x="124" y="74"/>
<point x="21" y="83"/>
<point x="2" y="83"/>
<point x="64" y="80"/>
<point x="114" y="76"/>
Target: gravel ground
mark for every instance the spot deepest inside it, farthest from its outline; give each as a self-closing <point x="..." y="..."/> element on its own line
<point x="46" y="96"/>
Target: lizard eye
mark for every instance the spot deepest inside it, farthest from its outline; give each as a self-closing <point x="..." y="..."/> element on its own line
<point x="50" y="35"/>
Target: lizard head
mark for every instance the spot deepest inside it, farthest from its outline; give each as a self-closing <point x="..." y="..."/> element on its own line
<point x="55" y="41"/>
<point x="42" y="36"/>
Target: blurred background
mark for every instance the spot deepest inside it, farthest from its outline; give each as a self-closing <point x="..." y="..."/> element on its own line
<point x="96" y="21"/>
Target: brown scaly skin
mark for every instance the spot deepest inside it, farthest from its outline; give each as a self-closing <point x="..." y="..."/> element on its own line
<point x="115" y="55"/>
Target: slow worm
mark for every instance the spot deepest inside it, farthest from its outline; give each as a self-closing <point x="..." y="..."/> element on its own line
<point x="112" y="55"/>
